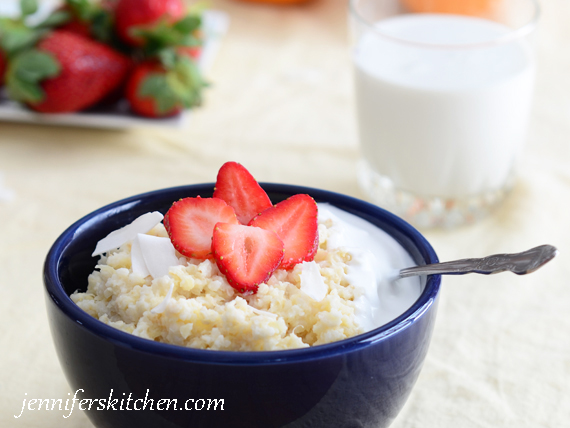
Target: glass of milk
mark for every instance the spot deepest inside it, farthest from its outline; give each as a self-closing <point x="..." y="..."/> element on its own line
<point x="443" y="95"/>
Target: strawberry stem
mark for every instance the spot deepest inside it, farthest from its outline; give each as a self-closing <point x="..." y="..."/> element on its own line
<point x="164" y="35"/>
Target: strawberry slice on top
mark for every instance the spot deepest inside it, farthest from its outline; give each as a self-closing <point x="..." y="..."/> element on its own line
<point x="294" y="220"/>
<point x="190" y="224"/>
<point x="246" y="255"/>
<point x="240" y="190"/>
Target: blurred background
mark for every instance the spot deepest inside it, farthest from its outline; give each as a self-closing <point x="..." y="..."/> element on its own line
<point x="280" y="101"/>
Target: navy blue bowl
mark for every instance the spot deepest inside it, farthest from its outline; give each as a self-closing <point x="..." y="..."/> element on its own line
<point x="358" y="382"/>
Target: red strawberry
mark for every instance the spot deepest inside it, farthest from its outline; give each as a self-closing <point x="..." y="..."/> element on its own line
<point x="75" y="24"/>
<point x="246" y="255"/>
<point x="190" y="224"/>
<point x="130" y="14"/>
<point x="109" y="4"/>
<point x="238" y="188"/>
<point x="3" y="65"/>
<point x="78" y="27"/>
<point x="66" y="73"/>
<point x="295" y="222"/>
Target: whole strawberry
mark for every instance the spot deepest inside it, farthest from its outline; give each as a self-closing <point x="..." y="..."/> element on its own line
<point x="157" y="90"/>
<point x="130" y="14"/>
<point x="65" y="73"/>
<point x="144" y="99"/>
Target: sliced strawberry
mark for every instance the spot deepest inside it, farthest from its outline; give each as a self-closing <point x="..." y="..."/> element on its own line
<point x="295" y="222"/>
<point x="246" y="255"/>
<point x="190" y="224"/>
<point x="238" y="188"/>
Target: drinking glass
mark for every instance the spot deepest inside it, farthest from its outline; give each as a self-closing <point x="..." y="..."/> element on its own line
<point x="443" y="96"/>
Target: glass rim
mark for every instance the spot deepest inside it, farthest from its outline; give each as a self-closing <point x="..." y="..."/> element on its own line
<point x="515" y="33"/>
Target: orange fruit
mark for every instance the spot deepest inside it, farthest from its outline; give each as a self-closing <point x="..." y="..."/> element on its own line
<point x="457" y="7"/>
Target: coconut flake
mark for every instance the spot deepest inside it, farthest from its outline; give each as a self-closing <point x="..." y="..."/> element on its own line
<point x="312" y="283"/>
<point x="121" y="236"/>
<point x="296" y="327"/>
<point x="158" y="309"/>
<point x="138" y="264"/>
<point x="260" y="312"/>
<point x="158" y="254"/>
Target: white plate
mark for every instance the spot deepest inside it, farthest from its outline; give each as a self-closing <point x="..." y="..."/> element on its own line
<point x="215" y="25"/>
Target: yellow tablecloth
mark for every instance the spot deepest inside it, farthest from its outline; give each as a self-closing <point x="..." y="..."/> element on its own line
<point x="281" y="104"/>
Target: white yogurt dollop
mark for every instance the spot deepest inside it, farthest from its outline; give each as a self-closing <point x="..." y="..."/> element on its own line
<point x="376" y="258"/>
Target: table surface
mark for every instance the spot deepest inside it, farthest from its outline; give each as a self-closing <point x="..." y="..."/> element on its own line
<point x="281" y="103"/>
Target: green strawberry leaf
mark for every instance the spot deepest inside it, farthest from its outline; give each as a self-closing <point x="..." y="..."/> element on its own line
<point x="186" y="81"/>
<point x="55" y="19"/>
<point x="28" y="7"/>
<point x="188" y="24"/>
<point x="163" y="34"/>
<point x="25" y="73"/>
<point x="190" y="40"/>
<point x="20" y="90"/>
<point x="157" y="37"/>
<point x="102" y="25"/>
<point x="15" y="36"/>
<point x="99" y="20"/>
<point x="181" y="83"/>
<point x="168" y="57"/>
<point x="156" y="87"/>
<point x="82" y="8"/>
<point x="34" y="65"/>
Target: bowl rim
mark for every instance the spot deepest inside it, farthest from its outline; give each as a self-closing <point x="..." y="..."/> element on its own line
<point x="57" y="295"/>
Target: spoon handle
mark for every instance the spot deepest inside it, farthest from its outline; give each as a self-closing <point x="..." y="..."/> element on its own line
<point x="519" y="263"/>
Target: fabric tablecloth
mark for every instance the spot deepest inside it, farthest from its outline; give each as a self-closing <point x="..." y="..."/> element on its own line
<point x="281" y="103"/>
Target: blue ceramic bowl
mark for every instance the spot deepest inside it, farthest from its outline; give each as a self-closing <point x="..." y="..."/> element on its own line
<point x="358" y="382"/>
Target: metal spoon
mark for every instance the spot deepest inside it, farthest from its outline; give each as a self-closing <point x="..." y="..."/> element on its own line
<point x="519" y="263"/>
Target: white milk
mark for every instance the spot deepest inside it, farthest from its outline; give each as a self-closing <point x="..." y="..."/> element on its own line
<point x="376" y="259"/>
<point x="442" y="122"/>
